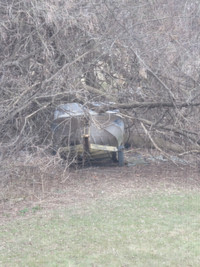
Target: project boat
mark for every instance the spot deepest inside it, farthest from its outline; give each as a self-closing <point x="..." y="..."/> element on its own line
<point x="73" y="121"/>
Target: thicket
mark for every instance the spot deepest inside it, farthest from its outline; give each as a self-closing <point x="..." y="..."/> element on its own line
<point x="142" y="57"/>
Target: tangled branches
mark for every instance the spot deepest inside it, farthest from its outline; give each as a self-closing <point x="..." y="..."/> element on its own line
<point x="144" y="58"/>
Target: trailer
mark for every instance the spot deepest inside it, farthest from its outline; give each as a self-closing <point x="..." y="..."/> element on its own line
<point x="88" y="135"/>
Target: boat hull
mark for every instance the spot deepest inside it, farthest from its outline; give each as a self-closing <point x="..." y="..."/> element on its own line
<point x="103" y="129"/>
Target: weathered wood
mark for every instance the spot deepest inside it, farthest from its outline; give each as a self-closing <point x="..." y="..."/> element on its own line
<point x="94" y="152"/>
<point x="147" y="105"/>
<point x="105" y="148"/>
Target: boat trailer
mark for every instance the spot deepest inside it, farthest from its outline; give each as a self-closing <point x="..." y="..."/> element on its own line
<point x="88" y="137"/>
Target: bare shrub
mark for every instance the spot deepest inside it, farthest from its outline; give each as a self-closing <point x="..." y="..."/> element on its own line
<point x="144" y="57"/>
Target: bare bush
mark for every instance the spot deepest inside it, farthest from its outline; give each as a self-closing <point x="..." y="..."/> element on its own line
<point x="144" y="57"/>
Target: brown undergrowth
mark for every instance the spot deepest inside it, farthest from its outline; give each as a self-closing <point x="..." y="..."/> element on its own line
<point x="30" y="183"/>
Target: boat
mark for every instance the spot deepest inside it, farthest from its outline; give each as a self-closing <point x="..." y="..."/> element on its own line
<point x="74" y="123"/>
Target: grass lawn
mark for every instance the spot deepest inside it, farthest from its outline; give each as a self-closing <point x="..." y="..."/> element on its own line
<point x="145" y="230"/>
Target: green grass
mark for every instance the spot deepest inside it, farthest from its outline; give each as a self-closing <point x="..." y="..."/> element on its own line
<point x="149" y="230"/>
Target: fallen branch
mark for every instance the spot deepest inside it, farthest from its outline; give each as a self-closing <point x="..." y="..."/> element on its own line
<point x="190" y="152"/>
<point x="151" y="139"/>
<point x="182" y="132"/>
<point x="149" y="105"/>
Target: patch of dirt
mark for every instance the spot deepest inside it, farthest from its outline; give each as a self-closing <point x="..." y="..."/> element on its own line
<point x="28" y="188"/>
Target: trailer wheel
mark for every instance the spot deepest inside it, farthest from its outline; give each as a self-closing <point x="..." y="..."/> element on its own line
<point x="114" y="157"/>
<point x="121" y="157"/>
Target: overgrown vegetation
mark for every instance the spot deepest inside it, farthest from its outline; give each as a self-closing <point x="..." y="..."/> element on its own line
<point x="143" y="57"/>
